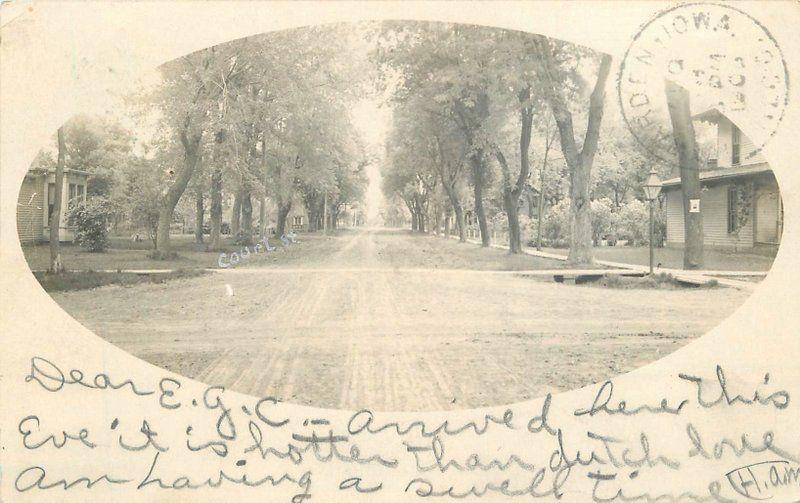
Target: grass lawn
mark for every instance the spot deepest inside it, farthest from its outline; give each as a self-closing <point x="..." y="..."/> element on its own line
<point x="672" y="258"/>
<point x="436" y="252"/>
<point x="658" y="281"/>
<point x="86" y="280"/>
<point x="126" y="254"/>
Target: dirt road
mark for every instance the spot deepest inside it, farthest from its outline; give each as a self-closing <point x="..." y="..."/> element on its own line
<point x="395" y="322"/>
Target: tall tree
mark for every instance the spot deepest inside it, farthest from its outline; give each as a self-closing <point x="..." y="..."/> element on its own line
<point x="215" y="211"/>
<point x="450" y="66"/>
<point x="449" y="166"/>
<point x="100" y="146"/>
<point x="512" y="189"/>
<point x="683" y="132"/>
<point x="195" y="88"/>
<point x="578" y="158"/>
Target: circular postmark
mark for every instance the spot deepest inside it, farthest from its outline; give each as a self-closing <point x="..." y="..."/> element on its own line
<point x="727" y="61"/>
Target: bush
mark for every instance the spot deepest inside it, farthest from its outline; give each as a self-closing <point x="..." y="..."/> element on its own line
<point x="633" y="222"/>
<point x="243" y="238"/>
<point x="603" y="219"/>
<point x="556" y="223"/>
<point x="90" y="218"/>
<point x="660" y="281"/>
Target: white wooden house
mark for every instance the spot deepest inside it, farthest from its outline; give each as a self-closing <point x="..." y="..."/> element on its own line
<point x="35" y="204"/>
<point x="738" y="169"/>
<point x="297" y="220"/>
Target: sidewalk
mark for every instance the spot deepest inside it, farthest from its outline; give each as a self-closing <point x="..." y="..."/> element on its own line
<point x="694" y="276"/>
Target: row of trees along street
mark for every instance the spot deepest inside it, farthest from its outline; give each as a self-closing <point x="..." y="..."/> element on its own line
<point x="479" y="116"/>
<point x="260" y="125"/>
<point x="259" y="121"/>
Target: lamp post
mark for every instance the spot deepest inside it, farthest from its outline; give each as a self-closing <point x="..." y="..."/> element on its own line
<point x="652" y="187"/>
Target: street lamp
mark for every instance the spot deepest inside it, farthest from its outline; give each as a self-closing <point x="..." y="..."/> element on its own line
<point x="652" y="187"/>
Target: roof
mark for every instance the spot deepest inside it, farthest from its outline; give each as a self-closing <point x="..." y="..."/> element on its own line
<point x="710" y="115"/>
<point x="53" y="170"/>
<point x="723" y="173"/>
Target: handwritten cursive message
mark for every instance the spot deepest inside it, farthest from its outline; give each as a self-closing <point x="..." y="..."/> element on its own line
<point x="172" y="437"/>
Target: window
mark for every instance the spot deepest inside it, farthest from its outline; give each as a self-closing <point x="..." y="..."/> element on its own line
<point x="736" y="145"/>
<point x="733" y="206"/>
<point x="71" y="202"/>
<point x="51" y="198"/>
<point x="298" y="220"/>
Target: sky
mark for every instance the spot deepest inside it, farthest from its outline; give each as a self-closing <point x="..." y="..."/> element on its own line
<point x="372" y="121"/>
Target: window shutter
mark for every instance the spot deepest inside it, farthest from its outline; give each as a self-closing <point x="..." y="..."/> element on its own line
<point x="732" y="207"/>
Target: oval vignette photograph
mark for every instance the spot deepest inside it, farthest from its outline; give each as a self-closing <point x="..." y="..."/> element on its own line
<point x="406" y="216"/>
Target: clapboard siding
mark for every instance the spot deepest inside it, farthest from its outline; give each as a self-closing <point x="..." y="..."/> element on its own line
<point x="747" y="151"/>
<point x="674" y="217"/>
<point x="749" y="154"/>
<point x="29" y="210"/>
<point x="714" y="207"/>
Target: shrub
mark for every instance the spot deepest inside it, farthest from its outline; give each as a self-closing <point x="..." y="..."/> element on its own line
<point x="527" y="228"/>
<point x="243" y="238"/>
<point x="90" y="218"/>
<point x="657" y="281"/>
<point x="603" y="219"/>
<point x="556" y="223"/>
<point x="633" y="222"/>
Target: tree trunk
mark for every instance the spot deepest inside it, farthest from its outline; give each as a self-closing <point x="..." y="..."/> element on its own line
<point x="512" y="214"/>
<point x="216" y="209"/>
<point x="478" y="170"/>
<point x="512" y="194"/>
<point x="539" y="220"/>
<point x="455" y="204"/>
<point x="580" y="161"/>
<point x="683" y="132"/>
<point x="199" y="210"/>
<point x="540" y="209"/>
<point x="262" y="209"/>
<point x="325" y="225"/>
<point x="477" y="159"/>
<point x="247" y="218"/>
<point x="191" y="149"/>
<point x="262" y="217"/>
<point x="236" y="213"/>
<point x="313" y="218"/>
<point x="461" y="225"/>
<point x="414" y="222"/>
<point x="55" y="217"/>
<point x="513" y="189"/>
<point x="447" y="214"/>
<point x="283" y="213"/>
<point x="580" y="218"/>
